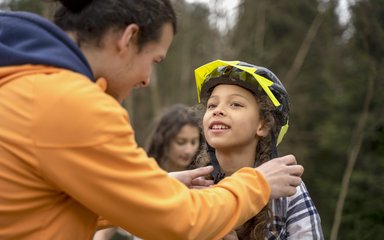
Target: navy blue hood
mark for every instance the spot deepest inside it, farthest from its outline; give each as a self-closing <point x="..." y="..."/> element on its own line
<point x="27" y="38"/>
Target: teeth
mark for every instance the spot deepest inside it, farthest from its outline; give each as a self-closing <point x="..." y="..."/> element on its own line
<point x="219" y="127"/>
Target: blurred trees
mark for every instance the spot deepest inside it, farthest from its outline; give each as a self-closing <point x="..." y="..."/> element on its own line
<point x="363" y="215"/>
<point x="23" y="5"/>
<point x="42" y="7"/>
<point x="333" y="72"/>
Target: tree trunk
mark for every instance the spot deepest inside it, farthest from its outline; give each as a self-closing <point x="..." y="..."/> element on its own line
<point x="358" y="136"/>
<point x="303" y="50"/>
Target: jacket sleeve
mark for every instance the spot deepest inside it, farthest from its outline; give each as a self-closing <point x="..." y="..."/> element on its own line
<point x="86" y="147"/>
<point x="103" y="223"/>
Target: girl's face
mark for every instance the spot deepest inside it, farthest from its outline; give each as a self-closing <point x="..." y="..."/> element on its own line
<point x="232" y="119"/>
<point x="183" y="147"/>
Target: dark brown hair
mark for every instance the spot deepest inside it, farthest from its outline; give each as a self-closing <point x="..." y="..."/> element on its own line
<point x="91" y="19"/>
<point x="167" y="127"/>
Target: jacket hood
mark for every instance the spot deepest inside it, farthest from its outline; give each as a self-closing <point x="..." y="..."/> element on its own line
<point x="26" y="38"/>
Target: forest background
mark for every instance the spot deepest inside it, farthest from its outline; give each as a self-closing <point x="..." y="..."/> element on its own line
<point x="333" y="72"/>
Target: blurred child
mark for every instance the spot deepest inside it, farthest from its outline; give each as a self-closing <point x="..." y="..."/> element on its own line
<point x="176" y="138"/>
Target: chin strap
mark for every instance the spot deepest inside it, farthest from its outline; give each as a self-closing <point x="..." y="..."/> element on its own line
<point x="274" y="146"/>
<point x="217" y="175"/>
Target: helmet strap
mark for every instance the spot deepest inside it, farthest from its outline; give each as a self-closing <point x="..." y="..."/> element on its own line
<point x="274" y="146"/>
<point x="217" y="175"/>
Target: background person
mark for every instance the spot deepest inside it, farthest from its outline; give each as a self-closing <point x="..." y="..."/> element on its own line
<point x="176" y="138"/>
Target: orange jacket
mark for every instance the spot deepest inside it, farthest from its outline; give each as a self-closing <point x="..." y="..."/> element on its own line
<point x="68" y="155"/>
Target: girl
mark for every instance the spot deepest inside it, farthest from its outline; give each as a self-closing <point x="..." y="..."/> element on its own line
<point x="176" y="138"/>
<point x="246" y="116"/>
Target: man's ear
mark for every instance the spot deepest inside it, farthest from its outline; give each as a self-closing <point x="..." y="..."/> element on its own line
<point x="128" y="38"/>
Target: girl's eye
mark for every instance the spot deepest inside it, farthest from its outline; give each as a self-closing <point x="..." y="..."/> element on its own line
<point x="211" y="105"/>
<point x="235" y="104"/>
<point x="181" y="142"/>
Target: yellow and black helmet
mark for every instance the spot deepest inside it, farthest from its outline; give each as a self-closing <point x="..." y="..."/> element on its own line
<point x="248" y="76"/>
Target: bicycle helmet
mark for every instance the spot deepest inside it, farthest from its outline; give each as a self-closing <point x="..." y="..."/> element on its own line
<point x="248" y="76"/>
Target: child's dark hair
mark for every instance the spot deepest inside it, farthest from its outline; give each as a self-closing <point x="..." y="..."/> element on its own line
<point x="91" y="19"/>
<point x="167" y="127"/>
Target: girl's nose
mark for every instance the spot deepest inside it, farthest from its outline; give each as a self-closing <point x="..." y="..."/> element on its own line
<point x="218" y="112"/>
<point x="190" y="149"/>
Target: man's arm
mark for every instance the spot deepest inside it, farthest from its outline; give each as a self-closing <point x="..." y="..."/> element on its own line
<point x="95" y="160"/>
<point x="194" y="178"/>
<point x="282" y="174"/>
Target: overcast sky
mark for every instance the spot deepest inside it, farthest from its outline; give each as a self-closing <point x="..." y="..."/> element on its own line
<point x="230" y="8"/>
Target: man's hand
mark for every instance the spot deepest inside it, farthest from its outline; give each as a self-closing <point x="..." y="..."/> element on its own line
<point x="283" y="175"/>
<point x="194" y="178"/>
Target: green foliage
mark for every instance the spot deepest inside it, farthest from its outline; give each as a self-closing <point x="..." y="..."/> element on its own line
<point x="364" y="207"/>
<point x="194" y="44"/>
<point x="25" y="5"/>
<point x="368" y="22"/>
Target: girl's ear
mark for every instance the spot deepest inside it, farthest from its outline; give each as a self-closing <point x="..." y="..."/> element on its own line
<point x="263" y="129"/>
<point x="128" y="38"/>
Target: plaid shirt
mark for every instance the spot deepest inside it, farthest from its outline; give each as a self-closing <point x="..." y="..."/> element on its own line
<point x="296" y="217"/>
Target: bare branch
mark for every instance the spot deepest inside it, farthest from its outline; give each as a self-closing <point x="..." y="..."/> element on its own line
<point x="359" y="136"/>
<point x="304" y="48"/>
